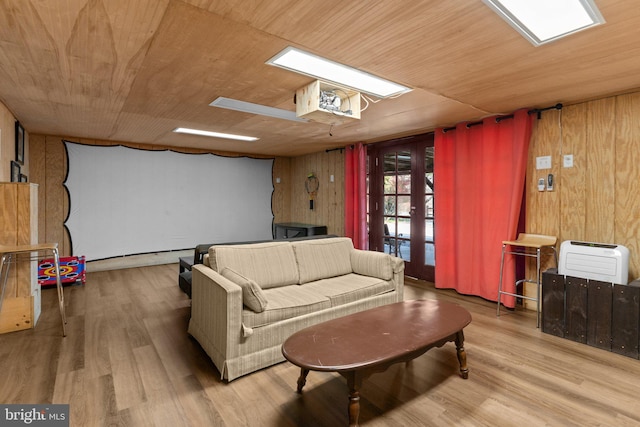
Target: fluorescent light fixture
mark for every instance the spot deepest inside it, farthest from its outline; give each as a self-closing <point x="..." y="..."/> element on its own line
<point x="215" y="134"/>
<point x="249" y="107"/>
<point x="543" y="21"/>
<point x="302" y="62"/>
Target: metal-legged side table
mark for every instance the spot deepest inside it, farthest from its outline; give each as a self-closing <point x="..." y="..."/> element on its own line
<point x="529" y="245"/>
<point x="10" y="254"/>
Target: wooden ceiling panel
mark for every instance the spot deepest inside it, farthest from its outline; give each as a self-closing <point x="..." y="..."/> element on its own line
<point x="74" y="63"/>
<point x="198" y="56"/>
<point x="504" y="72"/>
<point x="133" y="71"/>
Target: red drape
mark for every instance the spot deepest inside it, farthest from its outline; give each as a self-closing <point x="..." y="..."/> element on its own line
<point x="355" y="192"/>
<point x="479" y="175"/>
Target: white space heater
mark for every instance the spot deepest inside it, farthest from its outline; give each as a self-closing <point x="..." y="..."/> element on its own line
<point x="595" y="261"/>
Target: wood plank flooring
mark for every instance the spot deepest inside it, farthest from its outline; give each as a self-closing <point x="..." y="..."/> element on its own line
<point x="128" y="361"/>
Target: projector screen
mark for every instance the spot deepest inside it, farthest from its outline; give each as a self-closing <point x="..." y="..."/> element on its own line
<point x="126" y="201"/>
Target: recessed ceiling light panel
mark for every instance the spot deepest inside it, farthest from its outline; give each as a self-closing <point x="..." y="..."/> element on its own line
<point x="302" y="62"/>
<point x="543" y="21"/>
<point x="215" y="134"/>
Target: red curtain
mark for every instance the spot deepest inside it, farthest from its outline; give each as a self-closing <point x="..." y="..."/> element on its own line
<point x="479" y="175"/>
<point x="355" y="192"/>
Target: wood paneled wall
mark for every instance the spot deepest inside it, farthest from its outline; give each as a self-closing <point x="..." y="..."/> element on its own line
<point x="597" y="200"/>
<point x="290" y="201"/>
<point x="329" y="202"/>
<point x="8" y="144"/>
<point x="49" y="164"/>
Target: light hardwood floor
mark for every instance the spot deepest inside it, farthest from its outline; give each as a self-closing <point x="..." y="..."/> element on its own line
<point x="127" y="360"/>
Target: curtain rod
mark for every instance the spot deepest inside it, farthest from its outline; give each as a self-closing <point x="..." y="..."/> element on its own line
<point x="537" y="111"/>
<point x="338" y="148"/>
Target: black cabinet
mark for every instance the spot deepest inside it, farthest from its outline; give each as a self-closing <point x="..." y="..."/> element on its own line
<point x="599" y="314"/>
<point x="288" y="230"/>
<point x="625" y="314"/>
<point x="553" y="303"/>
<point x="576" y="309"/>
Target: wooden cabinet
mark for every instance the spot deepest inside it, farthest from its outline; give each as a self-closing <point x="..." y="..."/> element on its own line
<point x="553" y="303"/>
<point x="576" y="309"/>
<point x="599" y="314"/>
<point x="19" y="226"/>
<point x="625" y="319"/>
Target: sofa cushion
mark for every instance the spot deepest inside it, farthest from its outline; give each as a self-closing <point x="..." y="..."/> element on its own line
<point x="349" y="288"/>
<point x="371" y="263"/>
<point x="252" y="295"/>
<point x="269" y="264"/>
<point x="285" y="303"/>
<point x="319" y="259"/>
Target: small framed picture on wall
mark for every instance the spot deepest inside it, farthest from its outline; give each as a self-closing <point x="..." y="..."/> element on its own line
<point x="23" y="178"/>
<point x="19" y="143"/>
<point x="15" y="171"/>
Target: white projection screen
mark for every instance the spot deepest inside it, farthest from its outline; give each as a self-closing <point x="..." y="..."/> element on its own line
<point x="126" y="201"/>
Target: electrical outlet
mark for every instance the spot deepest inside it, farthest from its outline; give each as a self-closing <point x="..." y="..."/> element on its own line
<point x="567" y="161"/>
<point x="541" y="184"/>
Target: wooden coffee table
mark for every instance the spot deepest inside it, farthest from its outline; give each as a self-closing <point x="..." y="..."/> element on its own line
<point x="370" y="341"/>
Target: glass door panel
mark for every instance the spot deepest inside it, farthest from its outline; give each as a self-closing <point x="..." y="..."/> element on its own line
<point x="429" y="248"/>
<point x="401" y="202"/>
<point x="397" y="204"/>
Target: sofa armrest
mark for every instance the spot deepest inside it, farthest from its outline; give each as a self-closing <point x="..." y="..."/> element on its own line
<point x="397" y="265"/>
<point x="380" y="265"/>
<point x="216" y="314"/>
<point x="398" y="276"/>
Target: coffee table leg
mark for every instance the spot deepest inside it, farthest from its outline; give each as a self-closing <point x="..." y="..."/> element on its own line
<point x="462" y="356"/>
<point x="354" y="382"/>
<point x="302" y="380"/>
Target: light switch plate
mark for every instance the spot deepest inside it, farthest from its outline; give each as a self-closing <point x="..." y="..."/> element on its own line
<point x="543" y="162"/>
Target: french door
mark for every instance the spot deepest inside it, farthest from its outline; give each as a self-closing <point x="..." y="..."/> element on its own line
<point x="401" y="220"/>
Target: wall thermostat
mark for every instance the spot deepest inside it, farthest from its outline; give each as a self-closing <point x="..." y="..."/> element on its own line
<point x="541" y="184"/>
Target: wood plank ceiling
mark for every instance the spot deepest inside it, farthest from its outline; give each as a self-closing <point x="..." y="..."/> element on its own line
<point x="133" y="71"/>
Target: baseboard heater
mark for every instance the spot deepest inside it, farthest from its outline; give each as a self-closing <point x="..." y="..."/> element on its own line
<point x="594" y="261"/>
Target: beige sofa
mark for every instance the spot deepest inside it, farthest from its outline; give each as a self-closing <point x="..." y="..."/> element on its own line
<point x="247" y="299"/>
